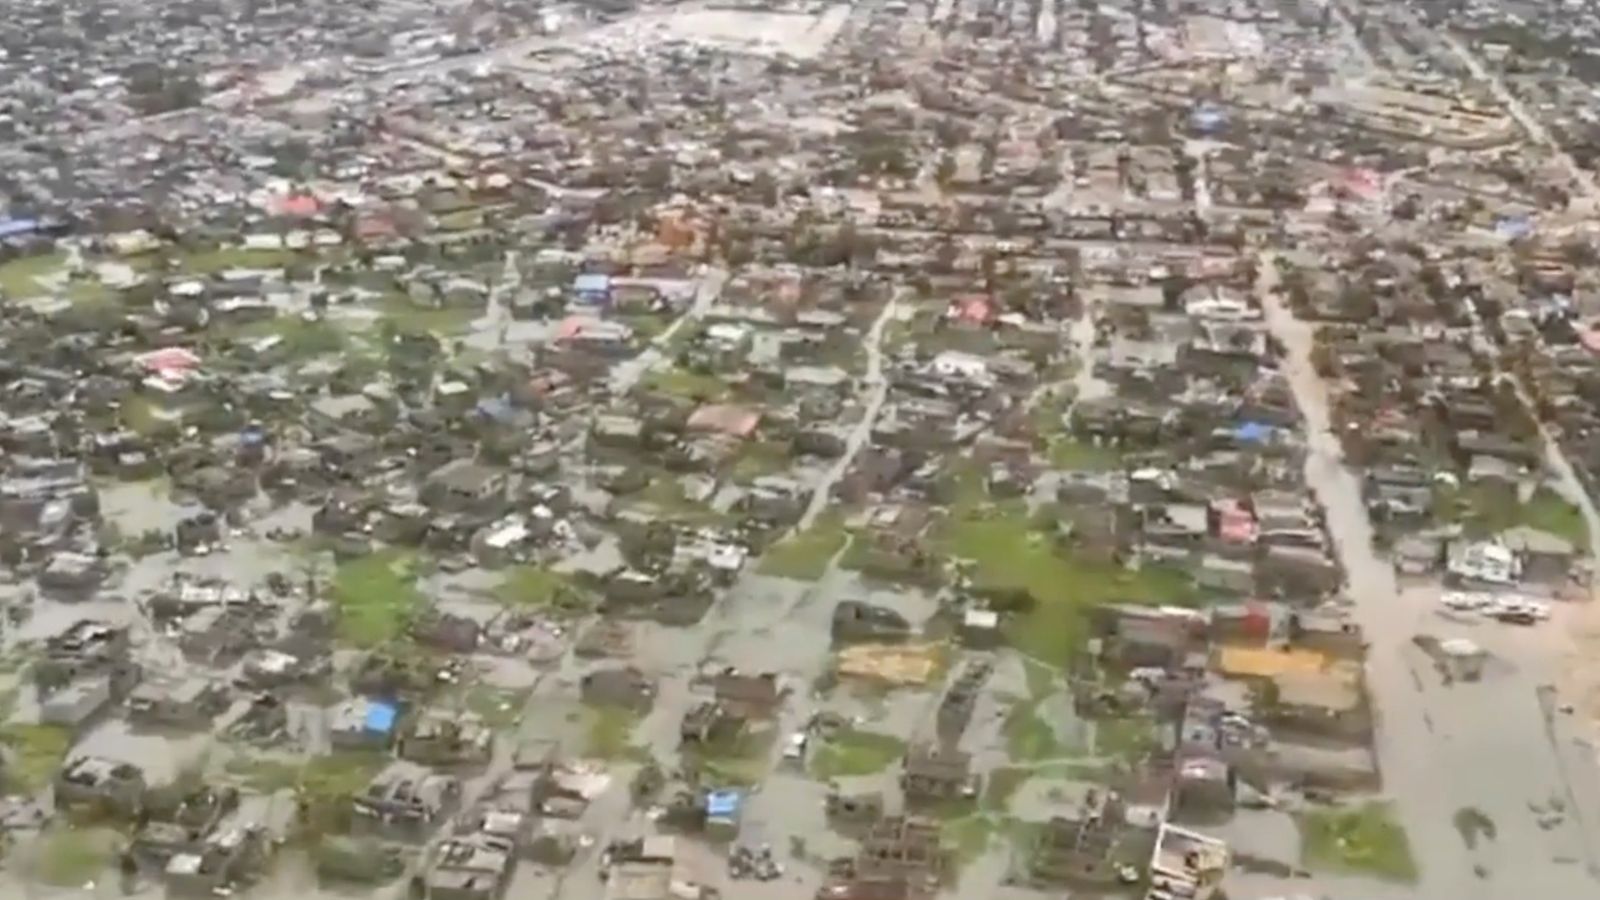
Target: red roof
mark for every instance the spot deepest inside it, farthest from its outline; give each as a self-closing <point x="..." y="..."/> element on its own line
<point x="302" y="206"/>
<point x="724" y="418"/>
<point x="976" y="308"/>
<point x="169" y="360"/>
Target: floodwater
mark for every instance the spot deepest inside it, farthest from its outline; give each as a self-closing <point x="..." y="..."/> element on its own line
<point x="1490" y="745"/>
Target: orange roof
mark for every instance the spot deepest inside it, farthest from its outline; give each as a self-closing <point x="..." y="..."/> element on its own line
<point x="725" y="418"/>
<point x="1261" y="662"/>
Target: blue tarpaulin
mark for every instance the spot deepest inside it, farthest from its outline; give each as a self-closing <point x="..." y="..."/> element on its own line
<point x="723" y="804"/>
<point x="14" y="227"/>
<point x="592" y="284"/>
<point x="1207" y="119"/>
<point x="1253" y="433"/>
<point x="380" y="716"/>
<point x="1513" y="227"/>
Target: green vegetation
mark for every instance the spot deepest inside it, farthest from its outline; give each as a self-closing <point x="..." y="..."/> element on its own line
<point x="805" y="555"/>
<point x="33" y="754"/>
<point x="610" y="734"/>
<point x="323" y="785"/>
<point x="499" y="709"/>
<point x="376" y="598"/>
<point x="19" y="277"/>
<point x="1548" y="511"/>
<point x="1041" y="678"/>
<point x="140" y="416"/>
<point x="1362" y="840"/>
<point x="667" y="495"/>
<point x="686" y="384"/>
<point x="1003" y="551"/>
<point x="969" y="835"/>
<point x="1485" y="511"/>
<point x="1028" y="737"/>
<point x="536" y="587"/>
<point x="1075" y="455"/>
<point x="222" y="259"/>
<point x="741" y="761"/>
<point x="460" y="220"/>
<point x="70" y="857"/>
<point x="759" y="458"/>
<point x="851" y="753"/>
<point x="1002" y="787"/>
<point x="1125" y="739"/>
<point x="405" y="316"/>
<point x="302" y="337"/>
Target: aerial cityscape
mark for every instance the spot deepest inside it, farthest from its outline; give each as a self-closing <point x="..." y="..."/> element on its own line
<point x="788" y="449"/>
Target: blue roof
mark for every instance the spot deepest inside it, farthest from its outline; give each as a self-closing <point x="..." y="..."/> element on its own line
<point x="723" y="804"/>
<point x="1253" y="432"/>
<point x="592" y="282"/>
<point x="10" y="227"/>
<point x="1513" y="226"/>
<point x="380" y="716"/>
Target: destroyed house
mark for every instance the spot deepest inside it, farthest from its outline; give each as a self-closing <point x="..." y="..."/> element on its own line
<point x="190" y="702"/>
<point x="96" y="783"/>
<point x="465" y="486"/>
<point x="180" y="828"/>
<point x="935" y="773"/>
<point x="471" y="867"/>
<point x="225" y="859"/>
<point x="623" y="686"/>
<point x="750" y="696"/>
<point x="405" y="802"/>
<point x="444" y="738"/>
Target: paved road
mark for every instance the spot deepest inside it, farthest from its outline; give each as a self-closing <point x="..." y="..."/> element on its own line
<point x="861" y="435"/>
<point x="628" y="373"/>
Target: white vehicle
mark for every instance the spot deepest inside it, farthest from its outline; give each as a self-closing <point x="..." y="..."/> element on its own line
<point x="1462" y="600"/>
<point x="795" y="747"/>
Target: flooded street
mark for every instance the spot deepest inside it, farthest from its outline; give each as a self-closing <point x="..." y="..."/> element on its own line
<point x="1490" y="746"/>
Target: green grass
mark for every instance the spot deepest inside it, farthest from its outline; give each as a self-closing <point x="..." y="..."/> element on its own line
<point x="1028" y="737"/>
<point x="19" y="277"/>
<point x="969" y="836"/>
<point x="1126" y="739"/>
<point x="1362" y="840"/>
<point x="1484" y="512"/>
<point x="33" y="754"/>
<point x="341" y="772"/>
<point x="805" y="555"/>
<point x="740" y="762"/>
<point x="499" y="709"/>
<point x="460" y="220"/>
<point x="222" y="259"/>
<point x="851" y="753"/>
<point x="376" y="598"/>
<point x="666" y="495"/>
<point x="1005" y="552"/>
<point x="609" y="734"/>
<point x="686" y="384"/>
<point x="140" y="416"/>
<point x="1074" y="455"/>
<point x="536" y="587"/>
<point x="70" y="857"/>
<point x="302" y="338"/>
<point x="1002" y="786"/>
<point x="323" y="785"/>
<point x="1548" y="511"/>
<point x="407" y="317"/>
<point x="760" y="458"/>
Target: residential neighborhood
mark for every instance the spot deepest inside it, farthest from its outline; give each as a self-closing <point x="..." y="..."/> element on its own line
<point x="880" y="450"/>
